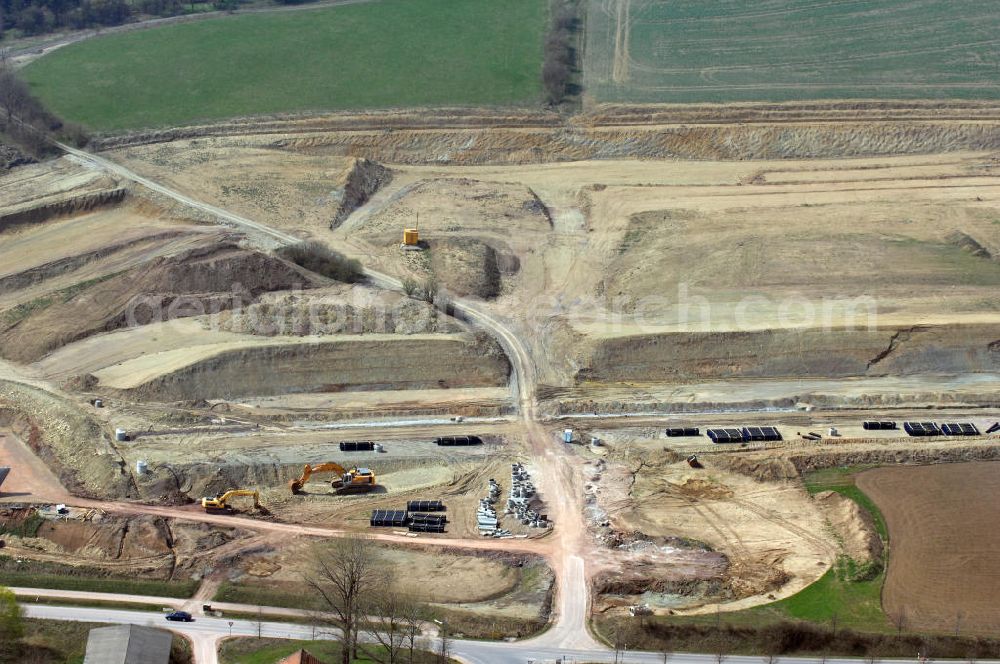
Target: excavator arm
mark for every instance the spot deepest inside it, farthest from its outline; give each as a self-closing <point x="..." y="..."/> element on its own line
<point x="329" y="467"/>
<point x="220" y="502"/>
<point x="355" y="479"/>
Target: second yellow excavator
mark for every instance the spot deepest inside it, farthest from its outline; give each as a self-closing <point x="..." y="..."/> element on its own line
<point x="355" y="480"/>
<point x="221" y="501"/>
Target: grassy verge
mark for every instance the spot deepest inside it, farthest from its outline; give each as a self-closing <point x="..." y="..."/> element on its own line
<point x="392" y="53"/>
<point x="249" y="650"/>
<point x="470" y="624"/>
<point x="239" y="593"/>
<point x="92" y="603"/>
<point x="34" y="574"/>
<point x="841" y="480"/>
<point x="66" y="641"/>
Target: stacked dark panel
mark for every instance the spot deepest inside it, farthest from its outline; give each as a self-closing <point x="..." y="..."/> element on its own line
<point x="427" y="523"/>
<point x="994" y="428"/>
<point x="357" y="446"/>
<point x="874" y="425"/>
<point x="725" y="435"/>
<point x="676" y="432"/>
<point x="457" y="441"/>
<point x="758" y="434"/>
<point x="959" y="429"/>
<point x="425" y="506"/>
<point x="388" y="519"/>
<point x="921" y="429"/>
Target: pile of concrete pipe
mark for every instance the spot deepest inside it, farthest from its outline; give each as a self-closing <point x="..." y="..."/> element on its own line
<point x="521" y="492"/>
<point x="486" y="515"/>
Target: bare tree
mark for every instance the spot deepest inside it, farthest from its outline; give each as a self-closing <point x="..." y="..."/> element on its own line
<point x="958" y="622"/>
<point x="431" y="288"/>
<point x="412" y="622"/>
<point x="444" y="643"/>
<point x="342" y="574"/>
<point x="387" y="625"/>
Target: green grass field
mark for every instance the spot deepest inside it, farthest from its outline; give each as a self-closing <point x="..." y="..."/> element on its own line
<point x="685" y="51"/>
<point x="387" y="53"/>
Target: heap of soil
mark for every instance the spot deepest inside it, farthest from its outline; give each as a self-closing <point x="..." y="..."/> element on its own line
<point x="467" y="266"/>
<point x="854" y="525"/>
<point x="11" y="157"/>
<point x="361" y="179"/>
<point x="198" y="281"/>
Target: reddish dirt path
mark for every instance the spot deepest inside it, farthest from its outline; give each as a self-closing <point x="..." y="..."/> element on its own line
<point x="30" y="480"/>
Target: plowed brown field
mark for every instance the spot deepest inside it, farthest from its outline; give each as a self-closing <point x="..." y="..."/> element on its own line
<point x="944" y="565"/>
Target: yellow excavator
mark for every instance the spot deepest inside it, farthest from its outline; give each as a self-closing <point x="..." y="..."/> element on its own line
<point x="355" y="480"/>
<point x="221" y="501"/>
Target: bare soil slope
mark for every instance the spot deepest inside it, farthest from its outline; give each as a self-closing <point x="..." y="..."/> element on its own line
<point x="325" y="364"/>
<point x="194" y="282"/>
<point x="291" y="191"/>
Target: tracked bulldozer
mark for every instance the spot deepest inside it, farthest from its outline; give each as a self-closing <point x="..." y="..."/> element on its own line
<point x="355" y="480"/>
<point x="221" y="501"/>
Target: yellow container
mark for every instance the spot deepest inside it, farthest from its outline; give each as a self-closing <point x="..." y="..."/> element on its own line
<point x="410" y="237"/>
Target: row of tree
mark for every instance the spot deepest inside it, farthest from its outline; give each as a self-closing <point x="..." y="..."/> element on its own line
<point x="37" y="17"/>
<point x="559" y="55"/>
<point x="25" y="122"/>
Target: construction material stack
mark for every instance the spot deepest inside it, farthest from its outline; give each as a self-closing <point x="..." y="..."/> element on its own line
<point x="427" y="523"/>
<point x="486" y="515"/>
<point x="521" y="493"/>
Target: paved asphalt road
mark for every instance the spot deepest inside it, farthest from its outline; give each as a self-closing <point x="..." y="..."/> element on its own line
<point x="472" y="652"/>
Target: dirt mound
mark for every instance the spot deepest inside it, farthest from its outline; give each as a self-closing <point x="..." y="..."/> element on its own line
<point x="854" y="525"/>
<point x="968" y="243"/>
<point x="191" y="283"/>
<point x="361" y="179"/>
<point x="722" y="142"/>
<point x="466" y="266"/>
<point x="73" y="444"/>
<point x="11" y="157"/>
<point x="749" y="578"/>
<point x="638" y="581"/>
<point x="336" y="310"/>
<point x="695" y="488"/>
<point x="762" y="469"/>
